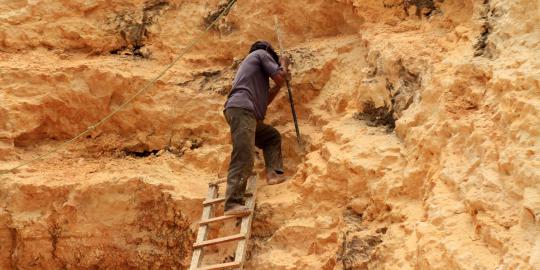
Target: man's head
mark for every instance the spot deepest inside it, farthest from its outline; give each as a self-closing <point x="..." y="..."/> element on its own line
<point x="265" y="45"/>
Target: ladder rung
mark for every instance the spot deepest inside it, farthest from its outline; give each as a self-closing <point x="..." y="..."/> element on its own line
<point x="217" y="182"/>
<point x="220" y="218"/>
<point x="228" y="265"/>
<point x="218" y="200"/>
<point x="219" y="240"/>
<point x="213" y="201"/>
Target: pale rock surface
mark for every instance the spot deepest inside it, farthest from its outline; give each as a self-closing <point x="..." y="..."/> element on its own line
<point x="455" y="185"/>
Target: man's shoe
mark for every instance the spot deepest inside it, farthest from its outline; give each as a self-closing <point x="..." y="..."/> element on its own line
<point x="273" y="178"/>
<point x="238" y="210"/>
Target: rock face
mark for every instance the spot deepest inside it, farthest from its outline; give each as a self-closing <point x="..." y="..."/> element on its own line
<point x="108" y="225"/>
<point x="421" y="121"/>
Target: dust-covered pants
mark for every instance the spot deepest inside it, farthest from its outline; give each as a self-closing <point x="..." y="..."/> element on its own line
<point x="246" y="133"/>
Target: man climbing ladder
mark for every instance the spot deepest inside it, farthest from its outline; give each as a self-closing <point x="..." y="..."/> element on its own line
<point x="245" y="111"/>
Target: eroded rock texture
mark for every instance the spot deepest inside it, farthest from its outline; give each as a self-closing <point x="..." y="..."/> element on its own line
<point x="421" y="122"/>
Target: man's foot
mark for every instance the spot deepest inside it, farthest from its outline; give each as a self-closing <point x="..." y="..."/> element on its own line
<point x="274" y="178"/>
<point x="238" y="210"/>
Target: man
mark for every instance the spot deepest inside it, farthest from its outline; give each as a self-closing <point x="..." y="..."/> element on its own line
<point x="245" y="110"/>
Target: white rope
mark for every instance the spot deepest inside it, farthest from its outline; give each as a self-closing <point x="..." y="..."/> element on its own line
<point x="190" y="46"/>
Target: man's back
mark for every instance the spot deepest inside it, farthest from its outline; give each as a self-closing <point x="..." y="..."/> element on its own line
<point x="244" y="111"/>
<point x="251" y="84"/>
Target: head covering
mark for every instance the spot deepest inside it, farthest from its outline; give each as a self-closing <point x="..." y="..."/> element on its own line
<point x="265" y="45"/>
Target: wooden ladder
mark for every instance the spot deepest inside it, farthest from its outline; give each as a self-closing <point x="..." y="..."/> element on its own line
<point x="208" y="218"/>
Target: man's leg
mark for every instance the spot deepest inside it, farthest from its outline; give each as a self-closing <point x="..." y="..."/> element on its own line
<point x="269" y="140"/>
<point x="243" y="126"/>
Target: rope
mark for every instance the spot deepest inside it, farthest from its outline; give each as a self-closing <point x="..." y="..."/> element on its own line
<point x="192" y="44"/>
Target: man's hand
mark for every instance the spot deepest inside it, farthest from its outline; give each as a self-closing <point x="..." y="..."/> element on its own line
<point x="280" y="78"/>
<point x="285" y="61"/>
<point x="283" y="75"/>
<point x="288" y="76"/>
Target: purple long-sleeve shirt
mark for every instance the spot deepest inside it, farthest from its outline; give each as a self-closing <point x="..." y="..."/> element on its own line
<point x="251" y="85"/>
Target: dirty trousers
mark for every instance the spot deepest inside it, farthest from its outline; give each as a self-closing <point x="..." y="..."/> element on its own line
<point x="246" y="133"/>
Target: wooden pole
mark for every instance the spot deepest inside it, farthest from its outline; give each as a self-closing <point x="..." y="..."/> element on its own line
<point x="291" y="101"/>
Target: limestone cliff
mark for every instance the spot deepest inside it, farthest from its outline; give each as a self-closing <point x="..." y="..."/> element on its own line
<point x="421" y="120"/>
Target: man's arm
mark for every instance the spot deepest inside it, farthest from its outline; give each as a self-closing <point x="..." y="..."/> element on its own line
<point x="279" y="78"/>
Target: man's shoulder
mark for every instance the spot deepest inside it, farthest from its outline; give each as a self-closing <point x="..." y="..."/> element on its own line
<point x="259" y="53"/>
<point x="256" y="57"/>
<point x="252" y="56"/>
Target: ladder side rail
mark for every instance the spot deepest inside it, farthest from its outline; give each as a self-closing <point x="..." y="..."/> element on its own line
<point x="245" y="228"/>
<point x="202" y="234"/>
